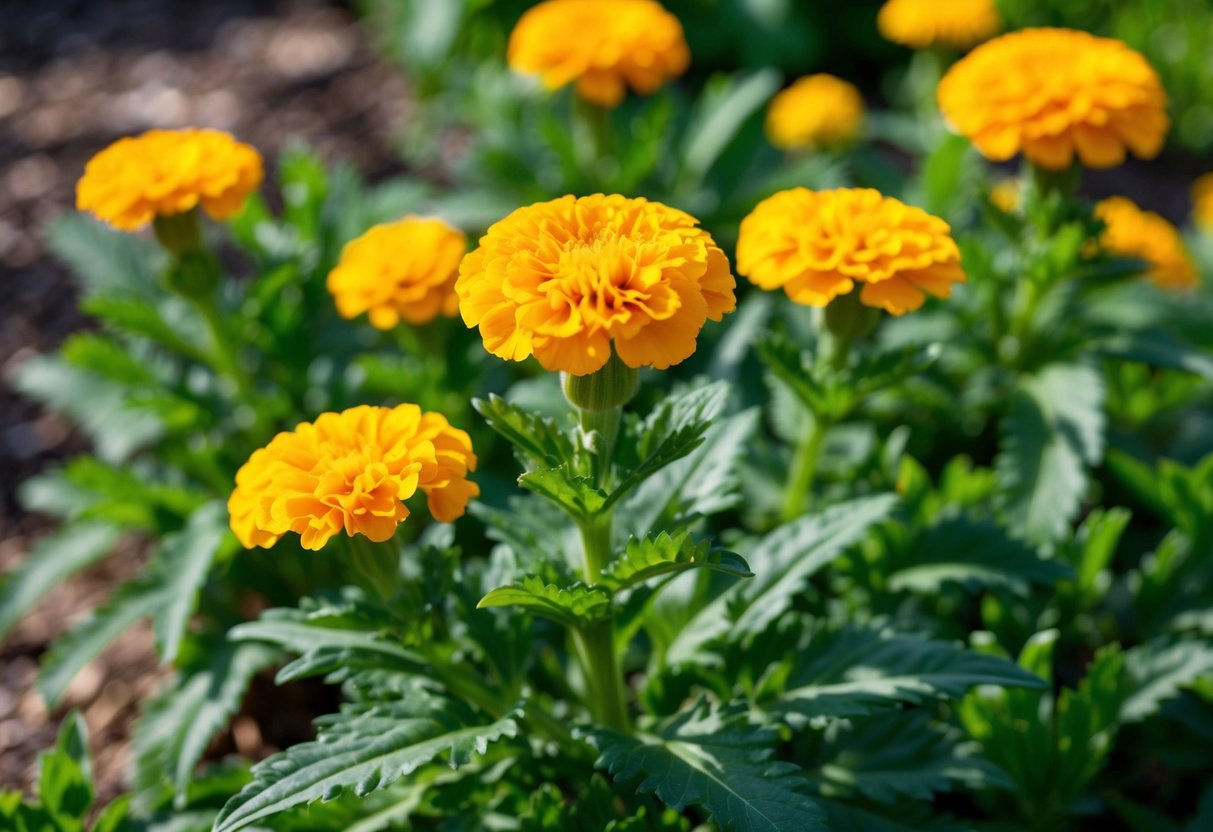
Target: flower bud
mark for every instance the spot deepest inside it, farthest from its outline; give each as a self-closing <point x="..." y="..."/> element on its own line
<point x="610" y="387"/>
<point x="847" y="318"/>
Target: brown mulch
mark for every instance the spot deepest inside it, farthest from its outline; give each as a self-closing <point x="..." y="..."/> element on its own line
<point x="74" y="76"/>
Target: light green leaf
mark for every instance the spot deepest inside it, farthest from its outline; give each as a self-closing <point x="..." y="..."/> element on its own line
<point x="1159" y="670"/>
<point x="364" y="749"/>
<point x="701" y="758"/>
<point x="723" y="108"/>
<point x="103" y="260"/>
<point x="668" y="554"/>
<point x="576" y="495"/>
<point x="51" y="560"/>
<point x="572" y="606"/>
<point x="1161" y="349"/>
<point x="185" y="559"/>
<point x="539" y="440"/>
<point x="1054" y="433"/>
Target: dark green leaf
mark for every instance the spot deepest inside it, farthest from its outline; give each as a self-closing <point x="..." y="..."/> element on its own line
<point x="668" y="554"/>
<point x="572" y="606"/>
<point x="539" y="440"/>
<point x="576" y="495"/>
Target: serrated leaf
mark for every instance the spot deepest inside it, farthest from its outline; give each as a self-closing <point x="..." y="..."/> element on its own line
<point x="701" y="758"/>
<point x="51" y="560"/>
<point x="364" y="749"/>
<point x="667" y="554"/>
<point x="102" y="259"/>
<point x="1161" y="349"/>
<point x="974" y="554"/>
<point x="174" y="730"/>
<point x="1054" y="432"/>
<point x="185" y="558"/>
<point x="1159" y="670"/>
<point x="571" y="606"/>
<point x="576" y="495"/>
<point x="539" y="440"/>
<point x="782" y="561"/>
<point x="851" y="670"/>
<point x="157" y="322"/>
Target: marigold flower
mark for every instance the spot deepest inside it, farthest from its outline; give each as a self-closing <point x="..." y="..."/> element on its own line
<point x="922" y="23"/>
<point x="817" y="111"/>
<point x="1132" y="232"/>
<point x="400" y="270"/>
<point x="166" y="172"/>
<point x="352" y="471"/>
<point x="563" y="279"/>
<point x="1006" y="195"/>
<point x="1202" y="201"/>
<point x="601" y="46"/>
<point x="816" y="245"/>
<point x="1052" y="93"/>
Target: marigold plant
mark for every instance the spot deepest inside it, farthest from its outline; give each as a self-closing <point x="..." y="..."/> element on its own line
<point x="1052" y="94"/>
<point x="404" y="270"/>
<point x="923" y="23"/>
<point x="352" y="472"/>
<point x="1132" y="232"/>
<point x="601" y="47"/>
<point x="562" y="280"/>
<point x="167" y="172"/>
<point x="816" y="245"/>
<point x="816" y="111"/>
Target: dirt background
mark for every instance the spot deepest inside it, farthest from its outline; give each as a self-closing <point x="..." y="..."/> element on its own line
<point x="74" y="76"/>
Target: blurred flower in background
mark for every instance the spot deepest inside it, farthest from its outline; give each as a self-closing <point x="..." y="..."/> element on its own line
<point x="817" y="111"/>
<point x="1132" y="232"/>
<point x="924" y="23"/>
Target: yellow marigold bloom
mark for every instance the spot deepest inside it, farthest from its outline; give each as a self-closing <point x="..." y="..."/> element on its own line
<point x="816" y="245"/>
<point x="817" y="111"/>
<point x="601" y="46"/>
<point x="1006" y="195"/>
<point x="1054" y="93"/>
<point x="563" y="279"/>
<point x="166" y="172"/>
<point x="352" y="471"/>
<point x="403" y="270"/>
<point x="922" y="23"/>
<point x="1132" y="232"/>
<point x="1202" y="201"/>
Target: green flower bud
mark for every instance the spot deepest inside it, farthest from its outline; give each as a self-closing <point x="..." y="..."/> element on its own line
<point x="610" y="387"/>
<point x="848" y="319"/>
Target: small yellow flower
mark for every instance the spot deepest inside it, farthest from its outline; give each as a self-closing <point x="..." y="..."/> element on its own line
<point x="1006" y="195"/>
<point x="167" y="172"/>
<point x="403" y="270"/>
<point x="816" y="245"/>
<point x="351" y="472"/>
<point x="1202" y="202"/>
<point x="602" y="46"/>
<point x="562" y="280"/>
<point x="816" y="111"/>
<point x="922" y="23"/>
<point x="1054" y="93"/>
<point x="1132" y="232"/>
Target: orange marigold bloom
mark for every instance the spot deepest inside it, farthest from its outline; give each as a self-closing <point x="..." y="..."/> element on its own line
<point x="563" y="279"/>
<point x="352" y="471"/>
<point x="400" y="270"/>
<point x="816" y="245"/>
<point x="922" y="23"/>
<point x="1202" y="201"/>
<point x="1132" y="232"/>
<point x="166" y="172"/>
<point x="1052" y="93"/>
<point x="601" y="46"/>
<point x="817" y="111"/>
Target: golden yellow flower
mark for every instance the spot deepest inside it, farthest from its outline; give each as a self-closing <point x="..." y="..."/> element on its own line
<point x="1006" y="195"/>
<point x="1202" y="202"/>
<point x="816" y="245"/>
<point x="816" y="111"/>
<point x="166" y="172"/>
<point x="352" y="471"/>
<point x="601" y="46"/>
<point x="403" y="270"/>
<point x="1054" y="93"/>
<point x="1132" y="232"/>
<point x="563" y="279"/>
<point x="922" y="23"/>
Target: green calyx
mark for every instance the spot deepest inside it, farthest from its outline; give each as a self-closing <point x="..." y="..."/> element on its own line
<point x="180" y="234"/>
<point x="610" y="387"/>
<point x="848" y="319"/>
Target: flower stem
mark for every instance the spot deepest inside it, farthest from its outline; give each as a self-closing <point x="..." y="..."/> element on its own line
<point x="804" y="470"/>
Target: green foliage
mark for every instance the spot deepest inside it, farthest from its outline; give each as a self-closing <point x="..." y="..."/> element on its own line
<point x="571" y="606"/>
<point x="668" y="554"/>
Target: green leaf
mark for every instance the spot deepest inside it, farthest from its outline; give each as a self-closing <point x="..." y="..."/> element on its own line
<point x="572" y="606"/>
<point x="366" y="749"/>
<point x="101" y="259"/>
<point x="723" y="108"/>
<point x="852" y="818"/>
<point x="782" y="561"/>
<point x="157" y="322"/>
<point x="851" y="670"/>
<point x="538" y="440"/>
<point x="576" y="495"/>
<point x="667" y="554"/>
<point x="700" y="757"/>
<point x="63" y="773"/>
<point x="129" y="603"/>
<point x="185" y="561"/>
<point x="106" y="357"/>
<point x="1054" y="432"/>
<point x="1159" y="670"/>
<point x="113" y="818"/>
<point x="51" y="560"/>
<point x="974" y="554"/>
<point x="1159" y="348"/>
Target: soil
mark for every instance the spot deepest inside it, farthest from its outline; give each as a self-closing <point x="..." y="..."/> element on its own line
<point x="74" y="76"/>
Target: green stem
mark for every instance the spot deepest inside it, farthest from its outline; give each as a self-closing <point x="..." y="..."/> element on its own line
<point x="223" y="357"/>
<point x="606" y="423"/>
<point x="596" y="128"/>
<point x="378" y="564"/>
<point x="804" y="470"/>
